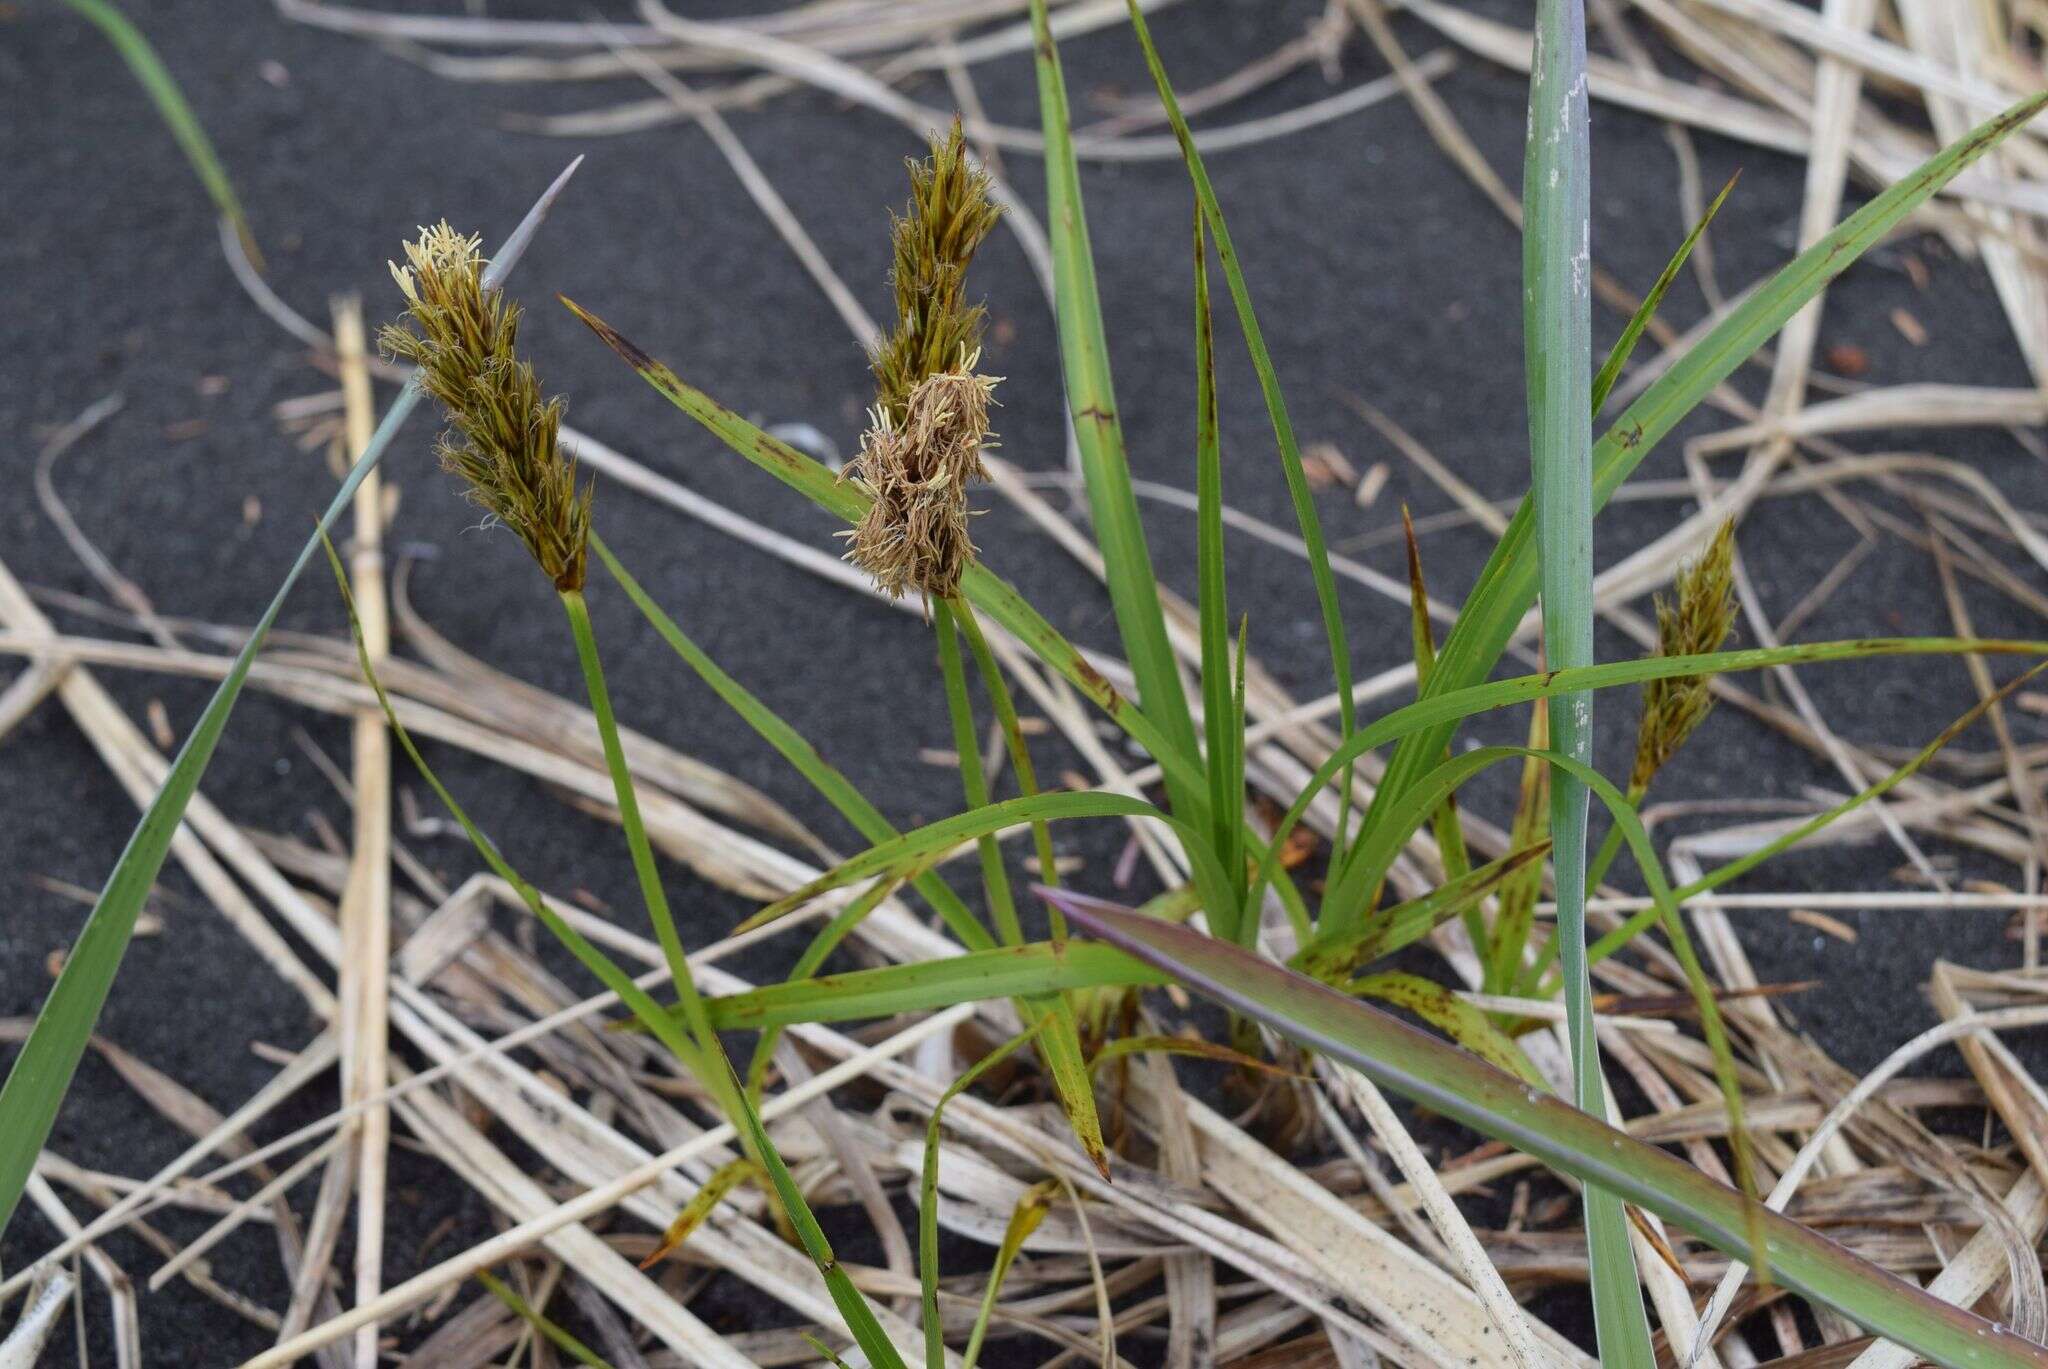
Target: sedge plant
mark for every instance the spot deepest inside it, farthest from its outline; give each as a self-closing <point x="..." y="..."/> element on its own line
<point x="1241" y="930"/>
<point x="1338" y="941"/>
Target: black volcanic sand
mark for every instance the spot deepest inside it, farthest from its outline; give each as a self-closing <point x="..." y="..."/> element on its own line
<point x="1379" y="272"/>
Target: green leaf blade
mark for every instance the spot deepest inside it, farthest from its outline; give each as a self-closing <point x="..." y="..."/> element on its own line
<point x="156" y="80"/>
<point x="1091" y="402"/>
<point x="1032" y="970"/>
<point x="1224" y="739"/>
<point x="1625" y="345"/>
<point x="1299" y="491"/>
<point x="1447" y="1080"/>
<point x="1557" y="329"/>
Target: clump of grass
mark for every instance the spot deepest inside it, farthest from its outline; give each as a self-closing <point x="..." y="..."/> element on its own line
<point x="908" y="500"/>
<point x="504" y="437"/>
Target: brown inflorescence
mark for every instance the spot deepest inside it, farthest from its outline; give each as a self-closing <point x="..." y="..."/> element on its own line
<point x="503" y="438"/>
<point x="929" y="424"/>
<point x="1698" y="623"/>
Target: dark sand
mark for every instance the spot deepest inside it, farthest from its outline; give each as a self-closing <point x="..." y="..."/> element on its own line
<point x="1378" y="270"/>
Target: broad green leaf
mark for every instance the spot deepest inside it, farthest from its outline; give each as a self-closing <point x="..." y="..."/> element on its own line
<point x="1453" y="1016"/>
<point x="42" y="1071"/>
<point x="1427" y="792"/>
<point x="1034" y="969"/>
<point x="1557" y="360"/>
<point x="1464" y="1088"/>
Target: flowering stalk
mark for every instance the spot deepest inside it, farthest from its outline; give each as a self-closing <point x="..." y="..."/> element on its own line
<point x="504" y="441"/>
<point x="928" y="429"/>
<point x="503" y="438"/>
<point x="1696" y="621"/>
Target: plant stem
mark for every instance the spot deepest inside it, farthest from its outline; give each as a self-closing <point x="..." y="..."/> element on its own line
<point x="1060" y="1044"/>
<point x="1013" y="739"/>
<point x="995" y="880"/>
<point x="710" y="1067"/>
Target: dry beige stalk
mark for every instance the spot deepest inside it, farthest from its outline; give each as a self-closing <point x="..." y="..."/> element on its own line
<point x="127" y="1320"/>
<point x="366" y="904"/>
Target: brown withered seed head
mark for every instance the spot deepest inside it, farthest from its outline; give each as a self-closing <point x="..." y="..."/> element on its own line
<point x="930" y="419"/>
<point x="914" y="535"/>
<point x="1699" y="622"/>
<point x="503" y="438"/>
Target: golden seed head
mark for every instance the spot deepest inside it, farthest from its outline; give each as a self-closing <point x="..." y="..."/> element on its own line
<point x="930" y="420"/>
<point x="1698" y="623"/>
<point x="503" y="438"/>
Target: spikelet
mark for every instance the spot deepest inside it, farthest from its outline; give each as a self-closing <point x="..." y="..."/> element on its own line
<point x="929" y="424"/>
<point x="1698" y="623"/>
<point x="503" y="438"/>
